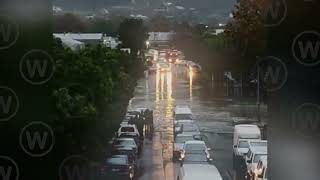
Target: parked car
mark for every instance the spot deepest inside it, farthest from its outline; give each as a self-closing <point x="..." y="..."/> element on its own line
<point x="134" y="136"/>
<point x="117" y="167"/>
<point x="195" y="147"/>
<point x="178" y="125"/>
<point x="182" y="112"/>
<point x="129" y="151"/>
<point x="125" y="142"/>
<point x="192" y="129"/>
<point x="254" y="155"/>
<point x="198" y="172"/>
<point x="179" y="141"/>
<point x="128" y="128"/>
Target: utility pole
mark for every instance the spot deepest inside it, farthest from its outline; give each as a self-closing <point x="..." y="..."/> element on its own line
<point x="258" y="93"/>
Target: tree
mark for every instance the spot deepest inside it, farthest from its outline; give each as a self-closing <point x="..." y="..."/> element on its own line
<point x="133" y="34"/>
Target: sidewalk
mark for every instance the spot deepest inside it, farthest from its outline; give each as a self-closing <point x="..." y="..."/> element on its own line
<point x="151" y="162"/>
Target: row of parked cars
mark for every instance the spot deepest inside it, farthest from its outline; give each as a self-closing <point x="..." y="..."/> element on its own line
<point x="249" y="153"/>
<point x="190" y="148"/>
<point x="126" y="146"/>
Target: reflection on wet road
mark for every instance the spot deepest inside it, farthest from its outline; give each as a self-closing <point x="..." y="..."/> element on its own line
<point x="164" y="89"/>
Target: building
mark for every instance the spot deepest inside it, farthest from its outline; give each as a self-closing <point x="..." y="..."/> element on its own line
<point x="86" y="38"/>
<point x="158" y="39"/>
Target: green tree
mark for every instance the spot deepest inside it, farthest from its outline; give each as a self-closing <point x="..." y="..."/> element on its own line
<point x="133" y="34"/>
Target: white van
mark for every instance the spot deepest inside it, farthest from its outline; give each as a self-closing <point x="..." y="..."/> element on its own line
<point x="242" y="134"/>
<point x="198" y="172"/>
<point x="182" y="113"/>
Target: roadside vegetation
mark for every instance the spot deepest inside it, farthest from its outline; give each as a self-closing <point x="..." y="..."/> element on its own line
<point x="92" y="87"/>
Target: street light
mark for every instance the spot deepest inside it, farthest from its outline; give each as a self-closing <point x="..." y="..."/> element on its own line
<point x="147" y="43"/>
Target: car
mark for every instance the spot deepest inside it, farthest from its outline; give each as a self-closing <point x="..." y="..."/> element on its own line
<point x="255" y="153"/>
<point x="129" y="151"/>
<point x="133" y="136"/>
<point x="258" y="172"/>
<point x="195" y="147"/>
<point x="128" y="128"/>
<point x="117" y="167"/>
<point x="182" y="112"/>
<point x="196" y="159"/>
<point x="192" y="129"/>
<point x="125" y="142"/>
<point x="198" y="172"/>
<point x="179" y="141"/>
<point x="178" y="125"/>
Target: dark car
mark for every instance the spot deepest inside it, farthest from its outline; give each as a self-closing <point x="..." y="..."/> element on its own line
<point x="132" y="157"/>
<point x="117" y="167"/>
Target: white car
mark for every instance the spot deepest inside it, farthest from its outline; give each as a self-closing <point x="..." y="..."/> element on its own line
<point x="179" y="142"/>
<point x="128" y="128"/>
<point x="192" y="129"/>
<point x="198" y="172"/>
<point x="195" y="147"/>
<point x="179" y="123"/>
<point x="182" y="112"/>
<point x="125" y="142"/>
<point x="255" y="153"/>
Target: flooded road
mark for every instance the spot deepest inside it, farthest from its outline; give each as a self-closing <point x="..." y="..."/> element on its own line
<point x="161" y="91"/>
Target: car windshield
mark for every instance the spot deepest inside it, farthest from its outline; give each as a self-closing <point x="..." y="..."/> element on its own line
<point x="127" y="129"/>
<point x="183" y="116"/>
<point x="257" y="157"/>
<point x="196" y="158"/>
<point x="243" y="144"/>
<point x="183" y="139"/>
<point x="117" y="161"/>
<point x="195" y="148"/>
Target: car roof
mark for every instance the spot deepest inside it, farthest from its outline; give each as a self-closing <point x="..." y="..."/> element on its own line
<point x="201" y="171"/>
<point x="184" y="110"/>
<point x="247" y="128"/>
<point x="123" y="148"/>
<point x="184" y="135"/>
<point x="259" y="149"/>
<point x="195" y="142"/>
<point x="125" y="139"/>
<point x="119" y="156"/>
<point x="185" y="120"/>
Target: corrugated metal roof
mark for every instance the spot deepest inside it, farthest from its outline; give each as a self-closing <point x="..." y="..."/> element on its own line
<point x="80" y="36"/>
